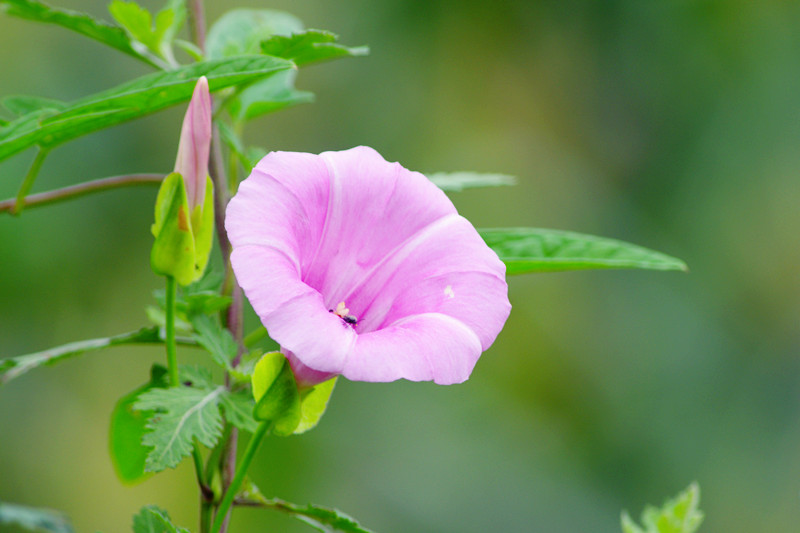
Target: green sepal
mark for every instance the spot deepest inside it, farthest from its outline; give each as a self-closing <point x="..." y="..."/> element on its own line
<point x="313" y="403"/>
<point x="203" y="230"/>
<point x="127" y="428"/>
<point x="173" y="253"/>
<point x="276" y="394"/>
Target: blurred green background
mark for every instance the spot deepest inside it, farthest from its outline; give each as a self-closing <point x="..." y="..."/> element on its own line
<point x="671" y="124"/>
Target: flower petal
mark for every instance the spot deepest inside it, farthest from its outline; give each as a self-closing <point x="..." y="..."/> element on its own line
<point x="309" y="232"/>
<point x="424" y="347"/>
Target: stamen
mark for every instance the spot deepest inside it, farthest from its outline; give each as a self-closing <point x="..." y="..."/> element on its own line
<point x="344" y="313"/>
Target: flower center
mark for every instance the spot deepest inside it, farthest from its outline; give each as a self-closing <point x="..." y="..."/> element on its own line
<point x="344" y="313"/>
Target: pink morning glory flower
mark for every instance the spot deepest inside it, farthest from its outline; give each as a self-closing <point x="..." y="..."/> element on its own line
<point x="361" y="268"/>
<point x="194" y="147"/>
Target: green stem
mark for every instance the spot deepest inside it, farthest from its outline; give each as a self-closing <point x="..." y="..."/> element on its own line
<point x="81" y="189"/>
<point x="172" y="357"/>
<point x="27" y="183"/>
<point x="241" y="471"/>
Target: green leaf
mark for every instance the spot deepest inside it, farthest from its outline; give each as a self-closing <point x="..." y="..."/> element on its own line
<point x="526" y="250"/>
<point x="215" y="339"/>
<point x="14" y="367"/>
<point x="458" y="181"/>
<point x="183" y="414"/>
<point x="309" y="46"/>
<point x="678" y="515"/>
<point x="20" y="105"/>
<point x="79" y="22"/>
<point x="240" y="31"/>
<point x="139" y="24"/>
<point x="131" y="100"/>
<point x="127" y="428"/>
<point x="195" y="376"/>
<point x="34" y="519"/>
<point x="238" y="408"/>
<point x="276" y="394"/>
<point x="320" y="518"/>
<point x="313" y="404"/>
<point x="269" y="95"/>
<point x="151" y="519"/>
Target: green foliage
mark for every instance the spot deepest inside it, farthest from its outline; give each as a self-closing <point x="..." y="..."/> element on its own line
<point x="215" y="339"/>
<point x="240" y="31"/>
<point x="248" y="31"/>
<point x="14" y="367"/>
<point x="678" y="515"/>
<point x="238" y="407"/>
<point x="34" y="519"/>
<point x="276" y="394"/>
<point x="127" y="428"/>
<point x="313" y="403"/>
<point x="140" y="97"/>
<point x="20" y="105"/>
<point x="458" y="181"/>
<point x="310" y="46"/>
<point x="151" y="519"/>
<point x="525" y="250"/>
<point x="183" y="414"/>
<point x="320" y="518"/>
<point x="139" y="24"/>
<point x="79" y="22"/>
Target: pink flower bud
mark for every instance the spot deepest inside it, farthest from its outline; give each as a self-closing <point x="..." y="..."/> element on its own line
<point x="193" y="150"/>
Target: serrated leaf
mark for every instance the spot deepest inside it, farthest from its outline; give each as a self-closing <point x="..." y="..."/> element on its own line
<point x="525" y="250"/>
<point x="79" y="22"/>
<point x="195" y="376"/>
<point x="131" y="100"/>
<point x="240" y="31"/>
<point x="678" y="515"/>
<point x="183" y="414"/>
<point x="127" y="428"/>
<point x="309" y="46"/>
<point x="151" y="519"/>
<point x="458" y="181"/>
<point x="238" y="407"/>
<point x="20" y="105"/>
<point x="217" y="341"/>
<point x="14" y="367"/>
<point x="34" y="519"/>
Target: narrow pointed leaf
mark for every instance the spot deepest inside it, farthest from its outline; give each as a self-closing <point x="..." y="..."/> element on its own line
<point x="183" y="414"/>
<point x="525" y="250"/>
<point x="458" y="181"/>
<point x="135" y="99"/>
<point x="79" y="22"/>
<point x="320" y="518"/>
<point x="20" y="105"/>
<point x="14" y="367"/>
<point x="33" y="519"/>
